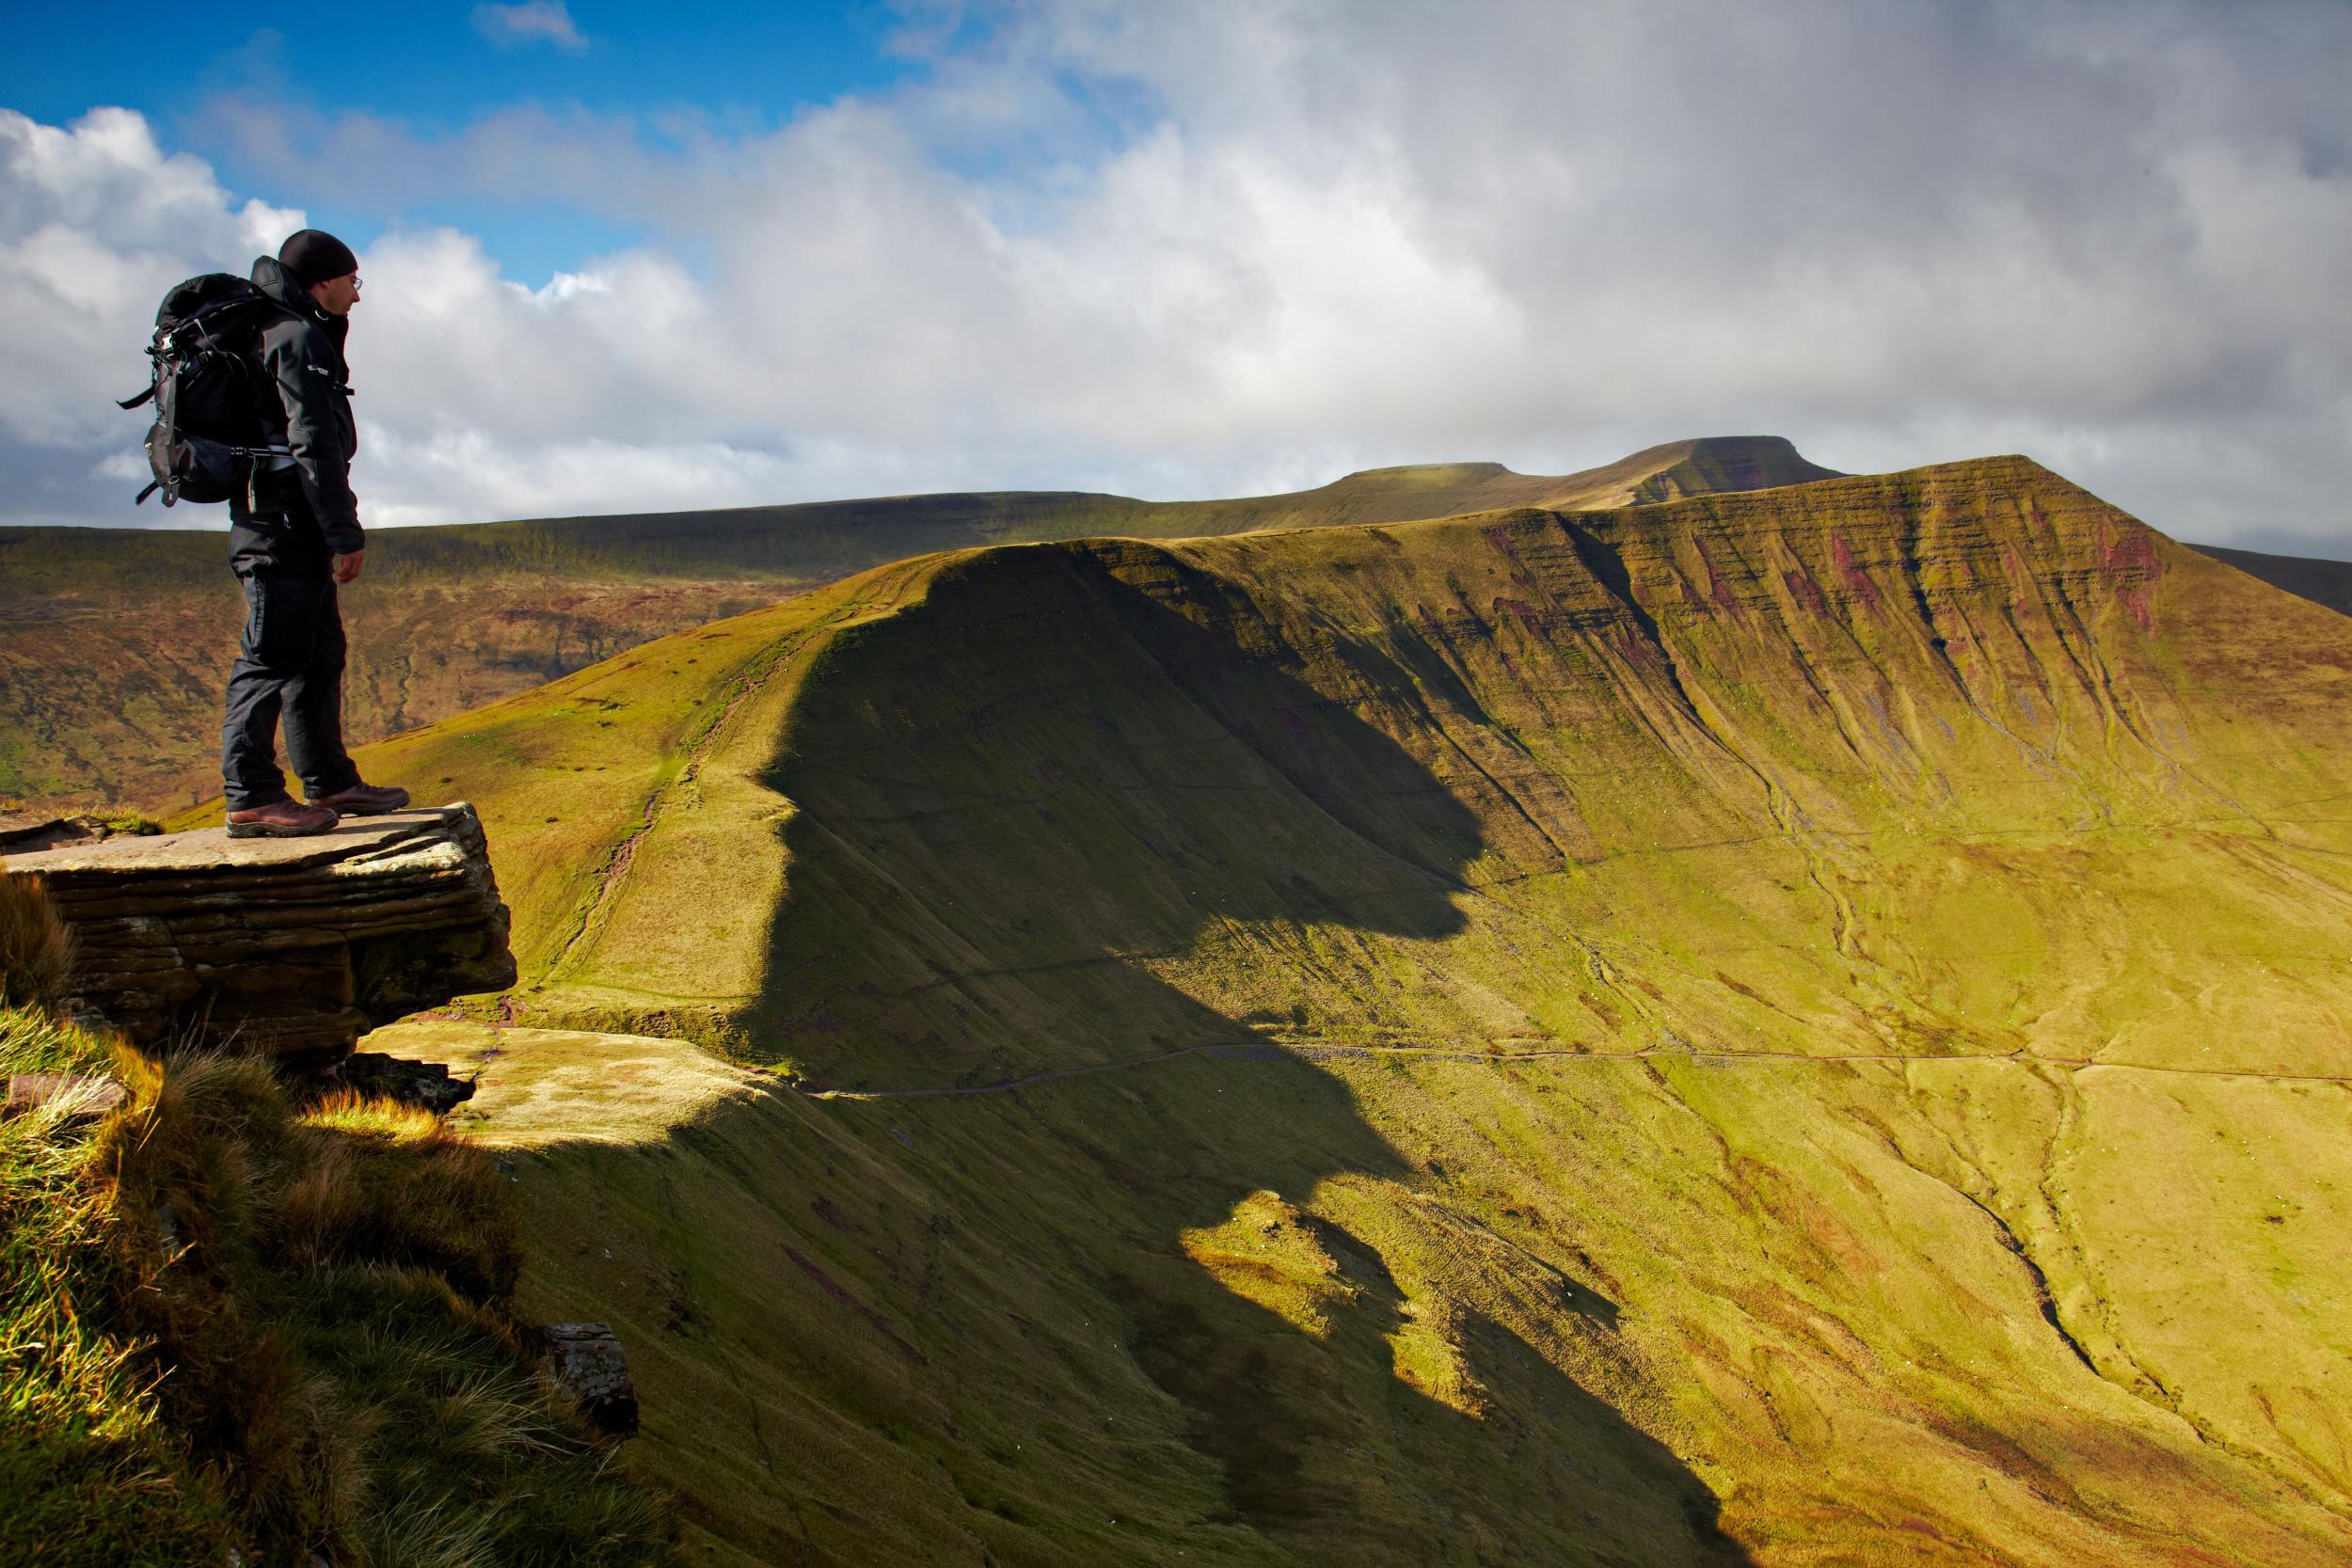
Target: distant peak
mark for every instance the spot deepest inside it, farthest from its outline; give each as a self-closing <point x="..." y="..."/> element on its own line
<point x="1764" y="454"/>
<point x="1422" y="476"/>
<point x="1716" y="463"/>
<point x="1696" y="466"/>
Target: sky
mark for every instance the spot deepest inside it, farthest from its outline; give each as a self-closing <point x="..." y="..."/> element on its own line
<point x="628" y="258"/>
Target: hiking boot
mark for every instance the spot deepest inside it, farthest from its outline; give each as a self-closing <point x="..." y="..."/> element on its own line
<point x="365" y="800"/>
<point x="281" y="819"/>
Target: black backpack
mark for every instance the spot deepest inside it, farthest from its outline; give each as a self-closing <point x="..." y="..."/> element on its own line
<point x="210" y="437"/>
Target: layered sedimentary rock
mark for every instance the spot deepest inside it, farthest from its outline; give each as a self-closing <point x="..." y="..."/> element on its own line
<point x="289" y="946"/>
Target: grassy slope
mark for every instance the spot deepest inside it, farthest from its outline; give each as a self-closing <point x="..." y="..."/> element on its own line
<point x="114" y="642"/>
<point x="1822" y="1007"/>
<point x="240" y="1332"/>
<point x="2327" y="583"/>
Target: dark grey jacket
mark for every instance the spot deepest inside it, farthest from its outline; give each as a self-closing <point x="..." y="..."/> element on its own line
<point x="303" y="352"/>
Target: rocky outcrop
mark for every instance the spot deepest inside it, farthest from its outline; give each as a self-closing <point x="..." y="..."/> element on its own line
<point x="426" y="1086"/>
<point x="587" y="1365"/>
<point x="289" y="948"/>
<point x="23" y="832"/>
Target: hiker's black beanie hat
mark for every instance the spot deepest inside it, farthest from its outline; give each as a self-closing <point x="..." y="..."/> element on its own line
<point x="313" y="256"/>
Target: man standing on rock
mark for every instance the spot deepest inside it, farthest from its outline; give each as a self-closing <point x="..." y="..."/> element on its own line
<point x="294" y="536"/>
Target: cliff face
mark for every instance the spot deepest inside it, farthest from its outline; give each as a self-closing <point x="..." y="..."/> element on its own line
<point x="288" y="947"/>
<point x="1804" y="1025"/>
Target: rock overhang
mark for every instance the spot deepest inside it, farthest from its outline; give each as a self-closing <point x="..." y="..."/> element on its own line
<point x="286" y="947"/>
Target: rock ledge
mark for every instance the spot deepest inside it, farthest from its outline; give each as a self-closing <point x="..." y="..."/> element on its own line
<point x="288" y="947"/>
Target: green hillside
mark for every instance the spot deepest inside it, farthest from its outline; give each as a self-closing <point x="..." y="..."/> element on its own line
<point x="2327" y="583"/>
<point x="1803" y="1027"/>
<point x="115" y="642"/>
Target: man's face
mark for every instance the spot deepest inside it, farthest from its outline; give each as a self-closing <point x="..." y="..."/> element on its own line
<point x="337" y="295"/>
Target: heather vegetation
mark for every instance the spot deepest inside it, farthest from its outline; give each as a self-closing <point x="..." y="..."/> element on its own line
<point x="1797" y="1027"/>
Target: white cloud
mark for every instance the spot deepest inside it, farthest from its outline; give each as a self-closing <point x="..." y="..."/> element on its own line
<point x="533" y="21"/>
<point x="1234" y="246"/>
<point x="96" y="222"/>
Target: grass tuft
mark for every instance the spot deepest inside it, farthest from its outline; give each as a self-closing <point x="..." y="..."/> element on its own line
<point x="36" y="949"/>
<point x="423" y="1535"/>
<point x="231" y="1322"/>
<point x="89" y="1471"/>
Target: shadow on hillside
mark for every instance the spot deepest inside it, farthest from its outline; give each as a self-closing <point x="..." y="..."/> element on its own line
<point x="1063" y="761"/>
<point x="1067" y="758"/>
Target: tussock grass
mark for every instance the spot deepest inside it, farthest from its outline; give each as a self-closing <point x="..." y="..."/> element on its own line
<point x="89" y="1471"/>
<point x="35" y="946"/>
<point x="424" y="1533"/>
<point x="385" y="1183"/>
<point x="231" y="1321"/>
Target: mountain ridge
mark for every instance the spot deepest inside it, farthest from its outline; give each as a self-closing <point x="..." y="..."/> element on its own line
<point x="1811" y="1013"/>
<point x="114" y="642"/>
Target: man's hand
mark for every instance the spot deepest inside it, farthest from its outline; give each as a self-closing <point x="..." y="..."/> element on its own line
<point x="346" y="567"/>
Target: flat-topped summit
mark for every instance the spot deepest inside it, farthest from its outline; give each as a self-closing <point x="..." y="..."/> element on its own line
<point x="1663" y="472"/>
<point x="279" y="946"/>
<point x="1414" y="491"/>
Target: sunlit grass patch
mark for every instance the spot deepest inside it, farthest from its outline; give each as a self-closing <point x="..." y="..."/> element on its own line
<point x="35" y="946"/>
<point x="89" y="1472"/>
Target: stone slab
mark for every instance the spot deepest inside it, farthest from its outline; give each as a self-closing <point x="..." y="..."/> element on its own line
<point x="277" y="945"/>
<point x="25" y="833"/>
<point x="211" y="850"/>
<point x="82" y="1099"/>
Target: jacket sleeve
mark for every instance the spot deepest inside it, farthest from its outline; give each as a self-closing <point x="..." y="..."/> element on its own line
<point x="302" y="365"/>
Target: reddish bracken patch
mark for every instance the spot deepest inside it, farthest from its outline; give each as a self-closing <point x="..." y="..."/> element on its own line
<point x="1856" y="579"/>
<point x="2124" y="548"/>
<point x="1529" y="616"/>
<point x="1808" y="591"/>
<point x="2130" y="559"/>
<point x="1715" y="586"/>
